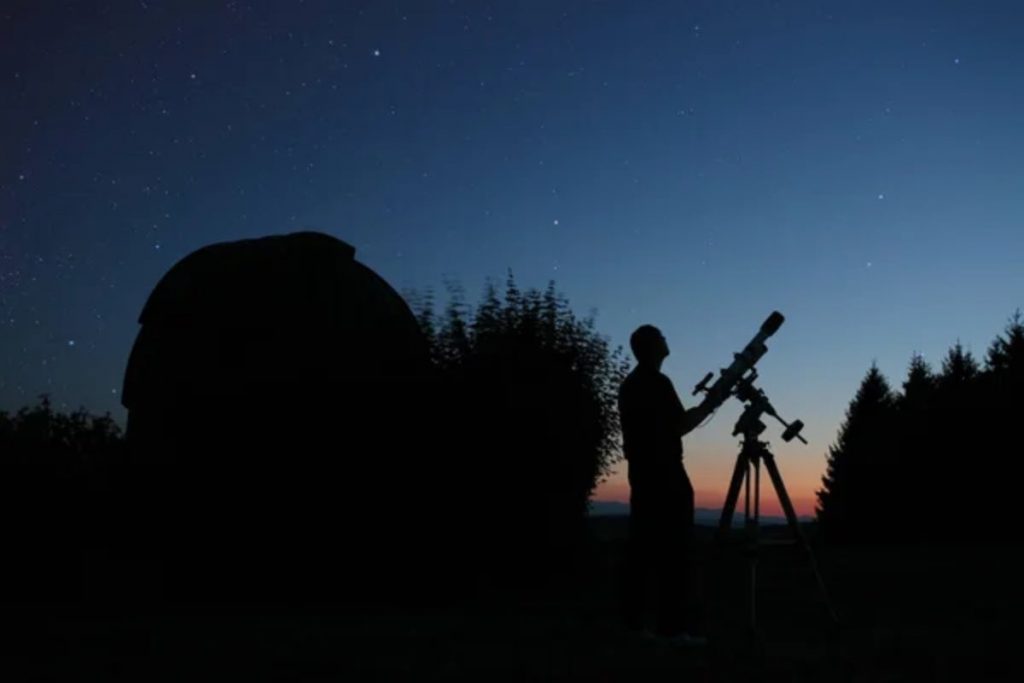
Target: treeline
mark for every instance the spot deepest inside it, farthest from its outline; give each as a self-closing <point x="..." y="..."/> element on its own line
<point x="938" y="460"/>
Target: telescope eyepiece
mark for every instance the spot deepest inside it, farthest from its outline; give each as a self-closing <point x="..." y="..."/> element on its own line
<point x="772" y="323"/>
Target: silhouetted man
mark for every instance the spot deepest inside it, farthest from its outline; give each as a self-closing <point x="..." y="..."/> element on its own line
<point x="661" y="497"/>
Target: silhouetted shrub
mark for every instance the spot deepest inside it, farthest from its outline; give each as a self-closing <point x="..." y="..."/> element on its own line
<point x="530" y="423"/>
<point x="56" y="474"/>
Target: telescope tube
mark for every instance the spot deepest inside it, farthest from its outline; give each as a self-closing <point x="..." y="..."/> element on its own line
<point x="743" y="361"/>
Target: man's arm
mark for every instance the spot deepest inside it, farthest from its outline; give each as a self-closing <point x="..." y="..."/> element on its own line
<point x="692" y="418"/>
<point x="687" y="420"/>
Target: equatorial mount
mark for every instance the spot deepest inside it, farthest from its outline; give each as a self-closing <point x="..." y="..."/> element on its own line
<point x="757" y="404"/>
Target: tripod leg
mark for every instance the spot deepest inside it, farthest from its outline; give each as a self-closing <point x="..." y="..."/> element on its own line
<point x="787" y="506"/>
<point x="752" y="598"/>
<point x="754" y="540"/>
<point x="729" y="508"/>
<point x="780" y="489"/>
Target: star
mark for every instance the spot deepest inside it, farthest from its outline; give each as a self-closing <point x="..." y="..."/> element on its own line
<point x="376" y="53"/>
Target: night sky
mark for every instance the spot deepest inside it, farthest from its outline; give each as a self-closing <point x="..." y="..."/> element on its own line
<point x="695" y="165"/>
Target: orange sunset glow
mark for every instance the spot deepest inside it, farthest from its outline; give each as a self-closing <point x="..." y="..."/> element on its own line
<point x="710" y="479"/>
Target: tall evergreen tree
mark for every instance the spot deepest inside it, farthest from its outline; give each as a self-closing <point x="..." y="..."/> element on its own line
<point x="1005" y="356"/>
<point x="849" y="505"/>
<point x="959" y="369"/>
<point x="1000" y="466"/>
<point x="911" y="473"/>
<point x="954" y="430"/>
<point x="919" y="386"/>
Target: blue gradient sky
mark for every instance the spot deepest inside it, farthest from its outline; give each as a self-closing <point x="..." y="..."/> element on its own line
<point x="856" y="166"/>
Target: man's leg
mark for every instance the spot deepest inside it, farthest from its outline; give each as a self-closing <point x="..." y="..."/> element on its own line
<point x="635" y="576"/>
<point x="692" y="597"/>
<point x="640" y="560"/>
<point x="676" y="565"/>
<point x="672" y="583"/>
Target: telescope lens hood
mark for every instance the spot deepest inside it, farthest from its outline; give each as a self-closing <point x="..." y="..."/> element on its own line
<point x="772" y="323"/>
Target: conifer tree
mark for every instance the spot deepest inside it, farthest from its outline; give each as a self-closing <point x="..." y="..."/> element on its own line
<point x="954" y="432"/>
<point x="849" y="507"/>
<point x="912" y="459"/>
<point x="999" y="467"/>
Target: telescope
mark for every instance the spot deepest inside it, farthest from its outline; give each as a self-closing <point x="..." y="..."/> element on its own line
<point x="738" y="380"/>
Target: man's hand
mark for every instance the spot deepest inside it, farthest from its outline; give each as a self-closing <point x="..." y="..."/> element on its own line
<point x="707" y="407"/>
<point x="695" y="416"/>
<point x="702" y="411"/>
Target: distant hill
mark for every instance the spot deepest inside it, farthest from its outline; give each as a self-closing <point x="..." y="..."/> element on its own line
<point x="608" y="508"/>
<point x="702" y="516"/>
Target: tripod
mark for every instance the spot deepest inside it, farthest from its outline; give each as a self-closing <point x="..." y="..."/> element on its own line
<point x="748" y="467"/>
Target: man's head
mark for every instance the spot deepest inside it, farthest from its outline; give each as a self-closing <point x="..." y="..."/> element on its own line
<point x="649" y="345"/>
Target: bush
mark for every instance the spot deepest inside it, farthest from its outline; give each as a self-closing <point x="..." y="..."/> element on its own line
<point x="529" y="418"/>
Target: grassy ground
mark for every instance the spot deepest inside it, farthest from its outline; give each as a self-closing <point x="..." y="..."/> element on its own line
<point x="928" y="614"/>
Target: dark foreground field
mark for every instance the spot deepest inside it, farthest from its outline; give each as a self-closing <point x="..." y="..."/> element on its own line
<point x="907" y="614"/>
